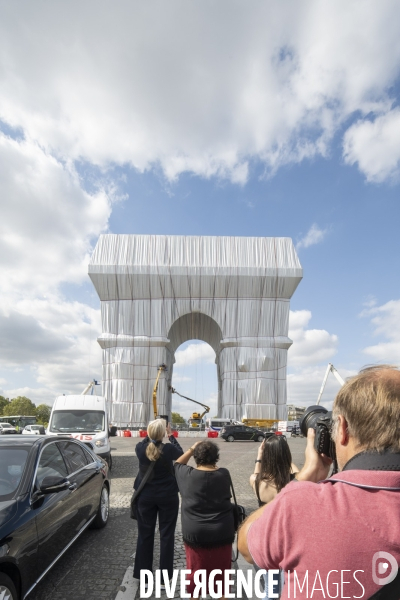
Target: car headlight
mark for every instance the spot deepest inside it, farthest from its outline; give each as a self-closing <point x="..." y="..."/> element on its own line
<point x="101" y="442"/>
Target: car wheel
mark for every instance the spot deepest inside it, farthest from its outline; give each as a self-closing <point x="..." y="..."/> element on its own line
<point x="230" y="438"/>
<point x="103" y="511"/>
<point x="260" y="438"/>
<point x="7" y="588"/>
<point x="109" y="461"/>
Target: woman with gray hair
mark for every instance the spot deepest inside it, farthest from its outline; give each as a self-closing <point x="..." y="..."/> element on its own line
<point x="159" y="497"/>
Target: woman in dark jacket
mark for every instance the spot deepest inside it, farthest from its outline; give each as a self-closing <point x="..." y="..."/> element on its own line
<point x="159" y="497"/>
<point x="206" y="512"/>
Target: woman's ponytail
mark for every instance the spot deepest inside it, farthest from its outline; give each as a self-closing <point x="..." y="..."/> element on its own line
<point x="156" y="431"/>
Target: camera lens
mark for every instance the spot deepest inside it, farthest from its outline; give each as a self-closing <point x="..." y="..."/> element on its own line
<point x="310" y="417"/>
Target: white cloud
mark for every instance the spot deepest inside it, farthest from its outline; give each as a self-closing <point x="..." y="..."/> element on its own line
<point x="47" y="220"/>
<point x="308" y="359"/>
<point x="375" y="146"/>
<point x="303" y="386"/>
<point x="310" y="346"/>
<point x="56" y="341"/>
<point x="180" y="378"/>
<point x="386" y="321"/>
<point x="181" y="86"/>
<point x="48" y="224"/>
<point x="314" y="235"/>
<point x="194" y="353"/>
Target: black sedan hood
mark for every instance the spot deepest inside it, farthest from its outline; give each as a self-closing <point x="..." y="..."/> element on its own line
<point x="7" y="511"/>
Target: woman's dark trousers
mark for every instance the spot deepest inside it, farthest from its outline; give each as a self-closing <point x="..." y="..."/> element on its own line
<point x="167" y="510"/>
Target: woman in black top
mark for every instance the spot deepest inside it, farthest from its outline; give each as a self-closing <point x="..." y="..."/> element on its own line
<point x="159" y="497"/>
<point x="206" y="512"/>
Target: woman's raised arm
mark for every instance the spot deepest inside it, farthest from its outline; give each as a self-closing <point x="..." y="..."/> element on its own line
<point x="184" y="459"/>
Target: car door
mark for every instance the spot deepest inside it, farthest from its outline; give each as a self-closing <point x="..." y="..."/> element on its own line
<point x="57" y="514"/>
<point x="87" y="473"/>
<point x="238" y="432"/>
<point x="248" y="433"/>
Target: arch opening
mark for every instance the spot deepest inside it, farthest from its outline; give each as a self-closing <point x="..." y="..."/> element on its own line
<point x="194" y="327"/>
<point x="195" y="376"/>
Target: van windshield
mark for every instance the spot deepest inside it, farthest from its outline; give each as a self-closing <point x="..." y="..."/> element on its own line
<point x="77" y="420"/>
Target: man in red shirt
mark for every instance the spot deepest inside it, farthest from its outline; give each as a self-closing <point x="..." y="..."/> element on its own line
<point x="340" y="538"/>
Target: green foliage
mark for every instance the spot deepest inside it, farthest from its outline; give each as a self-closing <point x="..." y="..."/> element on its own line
<point x="42" y="413"/>
<point x="21" y="405"/>
<point x="177" y="418"/>
<point x="3" y="402"/>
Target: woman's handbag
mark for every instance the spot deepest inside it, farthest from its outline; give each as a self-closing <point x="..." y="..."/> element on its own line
<point x="239" y="515"/>
<point x="141" y="486"/>
<point x="239" y="512"/>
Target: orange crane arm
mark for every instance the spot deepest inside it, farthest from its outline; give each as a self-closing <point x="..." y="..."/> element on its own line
<point x="207" y="408"/>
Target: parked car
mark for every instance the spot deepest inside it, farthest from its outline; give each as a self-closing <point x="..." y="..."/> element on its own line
<point x="231" y="433"/>
<point x="51" y="490"/>
<point x="34" y="430"/>
<point x="6" y="428"/>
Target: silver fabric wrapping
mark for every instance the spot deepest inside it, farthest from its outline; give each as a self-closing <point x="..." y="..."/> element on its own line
<point x="157" y="292"/>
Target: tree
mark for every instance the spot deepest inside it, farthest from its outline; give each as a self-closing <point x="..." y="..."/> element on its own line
<point x="43" y="413"/>
<point x="177" y="418"/>
<point x="3" y="402"/>
<point x="21" y="405"/>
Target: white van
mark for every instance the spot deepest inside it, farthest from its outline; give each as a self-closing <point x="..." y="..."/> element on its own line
<point x="84" y="418"/>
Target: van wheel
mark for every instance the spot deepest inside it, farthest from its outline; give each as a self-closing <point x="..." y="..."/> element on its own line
<point x="7" y="588"/>
<point x="230" y="438"/>
<point x="103" y="510"/>
<point x="109" y="461"/>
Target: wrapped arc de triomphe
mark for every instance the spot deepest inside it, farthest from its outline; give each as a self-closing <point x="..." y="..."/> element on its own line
<point x="158" y="291"/>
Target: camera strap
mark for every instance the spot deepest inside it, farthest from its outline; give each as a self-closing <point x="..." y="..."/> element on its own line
<point x="371" y="461"/>
<point x="374" y="461"/>
<point x="361" y="485"/>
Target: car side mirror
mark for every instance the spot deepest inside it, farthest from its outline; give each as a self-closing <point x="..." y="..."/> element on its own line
<point x="52" y="485"/>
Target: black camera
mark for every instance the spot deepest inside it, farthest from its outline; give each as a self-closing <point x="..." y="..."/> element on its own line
<point x="319" y="419"/>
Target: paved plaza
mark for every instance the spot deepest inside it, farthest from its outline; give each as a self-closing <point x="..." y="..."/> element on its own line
<point x="98" y="565"/>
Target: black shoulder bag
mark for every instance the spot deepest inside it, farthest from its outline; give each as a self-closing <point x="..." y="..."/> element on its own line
<point x="239" y="512"/>
<point x="239" y="515"/>
<point x="141" y="486"/>
<point x="145" y="479"/>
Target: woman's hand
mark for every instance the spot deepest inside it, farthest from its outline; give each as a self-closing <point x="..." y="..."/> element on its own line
<point x="260" y="450"/>
<point x="168" y="430"/>
<point x="184" y="459"/>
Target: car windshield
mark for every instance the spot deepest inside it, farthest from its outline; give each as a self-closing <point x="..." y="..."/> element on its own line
<point x="35" y="427"/>
<point x="12" y="462"/>
<point x="5" y="425"/>
<point x="77" y="420"/>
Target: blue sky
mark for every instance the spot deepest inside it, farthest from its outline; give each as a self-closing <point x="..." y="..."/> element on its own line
<point x="169" y="118"/>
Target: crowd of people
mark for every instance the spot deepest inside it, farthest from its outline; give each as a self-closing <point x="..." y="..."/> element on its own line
<point x="307" y="522"/>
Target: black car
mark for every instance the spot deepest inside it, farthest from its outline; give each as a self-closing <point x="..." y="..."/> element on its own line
<point x="51" y="490"/>
<point x="231" y="433"/>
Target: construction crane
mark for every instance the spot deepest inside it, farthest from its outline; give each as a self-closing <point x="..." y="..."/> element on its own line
<point x="161" y="368"/>
<point x="330" y="369"/>
<point x="90" y="386"/>
<point x="196" y="418"/>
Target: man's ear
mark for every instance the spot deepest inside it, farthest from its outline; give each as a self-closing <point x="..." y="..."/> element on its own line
<point x="342" y="431"/>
